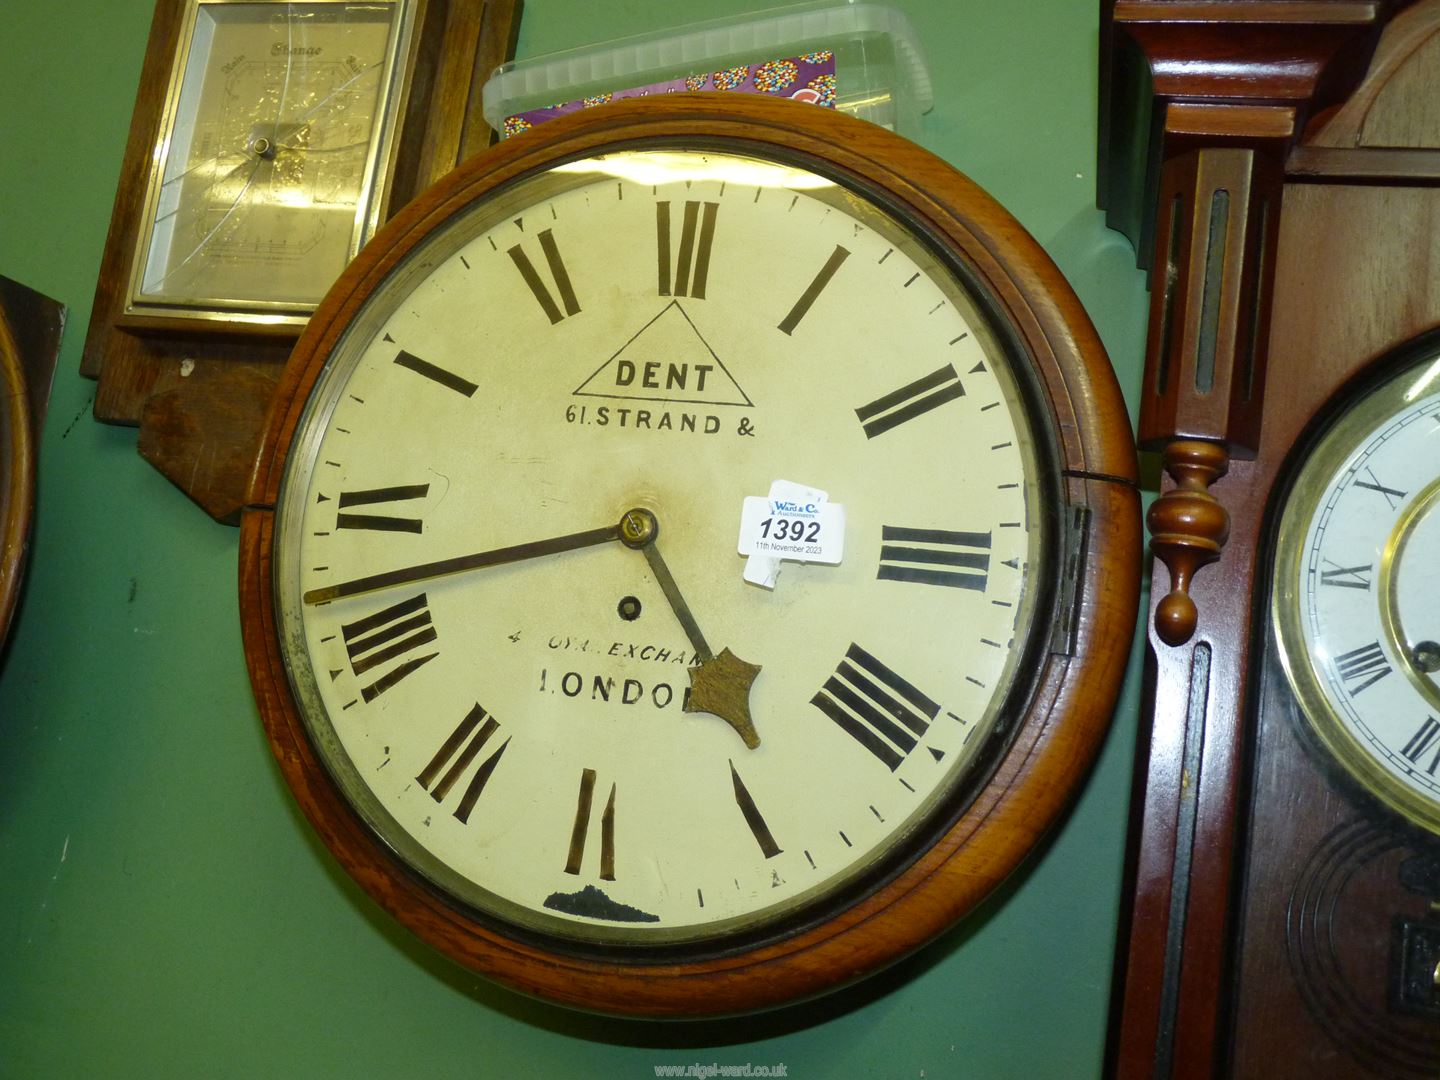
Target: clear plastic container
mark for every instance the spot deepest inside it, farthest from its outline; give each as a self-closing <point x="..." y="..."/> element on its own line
<point x="863" y="59"/>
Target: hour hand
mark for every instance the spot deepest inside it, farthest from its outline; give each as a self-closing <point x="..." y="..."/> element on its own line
<point x="721" y="684"/>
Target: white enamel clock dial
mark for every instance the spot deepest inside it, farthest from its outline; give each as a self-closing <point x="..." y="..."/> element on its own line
<point x="1357" y="589"/>
<point x="681" y="329"/>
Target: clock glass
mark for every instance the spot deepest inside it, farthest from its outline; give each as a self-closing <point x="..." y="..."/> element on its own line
<point x="1358" y="573"/>
<point x="270" y="155"/>
<point x="507" y="569"/>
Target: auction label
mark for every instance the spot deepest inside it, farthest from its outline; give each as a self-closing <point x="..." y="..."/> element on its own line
<point x="789" y="528"/>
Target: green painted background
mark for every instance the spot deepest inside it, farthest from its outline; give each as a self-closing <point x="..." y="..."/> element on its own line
<point x="165" y="911"/>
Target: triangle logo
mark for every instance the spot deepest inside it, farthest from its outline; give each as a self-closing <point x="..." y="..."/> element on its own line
<point x="667" y="360"/>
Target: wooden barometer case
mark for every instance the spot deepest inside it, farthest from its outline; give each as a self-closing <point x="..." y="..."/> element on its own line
<point x="692" y="556"/>
<point x="269" y="139"/>
<point x="1278" y="166"/>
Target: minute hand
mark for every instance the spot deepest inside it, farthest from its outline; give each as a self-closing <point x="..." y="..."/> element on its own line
<point x="495" y="557"/>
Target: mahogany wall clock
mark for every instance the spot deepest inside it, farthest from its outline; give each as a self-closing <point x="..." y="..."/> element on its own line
<point x="495" y="613"/>
<point x="1286" y="865"/>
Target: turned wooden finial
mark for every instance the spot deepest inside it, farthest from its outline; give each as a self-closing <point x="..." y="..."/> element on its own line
<point x="1205" y="356"/>
<point x="1188" y="527"/>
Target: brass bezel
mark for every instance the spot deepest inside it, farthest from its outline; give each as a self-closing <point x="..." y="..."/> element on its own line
<point x="1357" y="426"/>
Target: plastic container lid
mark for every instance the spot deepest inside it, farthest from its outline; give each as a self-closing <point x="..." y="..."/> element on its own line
<point x="903" y="83"/>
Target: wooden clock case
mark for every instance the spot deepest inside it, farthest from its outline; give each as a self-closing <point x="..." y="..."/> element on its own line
<point x="1278" y="166"/>
<point x="1051" y="744"/>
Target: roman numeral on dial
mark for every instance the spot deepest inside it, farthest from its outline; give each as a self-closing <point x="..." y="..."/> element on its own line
<point x="581" y="829"/>
<point x="1424" y="740"/>
<point x="435" y="373"/>
<point x="377" y="497"/>
<point x="1362" y="668"/>
<point x="538" y="288"/>
<point x="456" y="756"/>
<point x="876" y="707"/>
<point x="911" y="400"/>
<point x="1346" y="577"/>
<point x="393" y="638"/>
<point x="1393" y="496"/>
<point x="958" y="560"/>
<point x="692" y="261"/>
<point x="813" y="290"/>
<point x="752" y="816"/>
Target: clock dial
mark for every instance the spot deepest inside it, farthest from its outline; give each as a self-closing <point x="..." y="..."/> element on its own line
<point x="1357" y="560"/>
<point x="691" y="558"/>
<point x="681" y="330"/>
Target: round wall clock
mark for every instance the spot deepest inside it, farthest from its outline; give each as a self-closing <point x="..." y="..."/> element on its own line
<point x="693" y="556"/>
<point x="1357" y="573"/>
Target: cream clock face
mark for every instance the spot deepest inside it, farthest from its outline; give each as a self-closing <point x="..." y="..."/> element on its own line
<point x="1356" y="599"/>
<point x="508" y="541"/>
